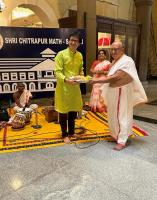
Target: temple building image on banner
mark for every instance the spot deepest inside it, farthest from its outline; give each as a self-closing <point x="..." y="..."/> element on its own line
<point x="36" y="73"/>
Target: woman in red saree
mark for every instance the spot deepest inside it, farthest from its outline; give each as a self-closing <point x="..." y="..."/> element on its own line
<point x="99" y="68"/>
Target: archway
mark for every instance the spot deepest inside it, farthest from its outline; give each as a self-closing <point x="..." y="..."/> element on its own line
<point x="32" y="87"/>
<point x="6" y="87"/>
<point x="49" y="85"/>
<point x="14" y="87"/>
<point x="41" y="8"/>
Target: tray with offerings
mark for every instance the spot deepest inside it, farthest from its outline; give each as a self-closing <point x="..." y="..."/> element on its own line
<point x="81" y="79"/>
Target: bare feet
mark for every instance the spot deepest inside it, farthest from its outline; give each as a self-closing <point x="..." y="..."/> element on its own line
<point x="112" y="139"/>
<point x="119" y="147"/>
<point x="66" y="140"/>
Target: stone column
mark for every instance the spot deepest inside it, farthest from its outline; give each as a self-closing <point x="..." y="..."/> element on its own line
<point x="143" y="16"/>
<point x="86" y="18"/>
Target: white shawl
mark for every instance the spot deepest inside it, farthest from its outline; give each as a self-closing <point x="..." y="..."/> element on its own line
<point x="126" y="64"/>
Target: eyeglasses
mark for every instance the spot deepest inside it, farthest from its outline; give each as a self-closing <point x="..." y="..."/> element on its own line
<point x="72" y="40"/>
<point x="115" y="49"/>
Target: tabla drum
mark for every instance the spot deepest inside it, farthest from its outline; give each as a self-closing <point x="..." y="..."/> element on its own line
<point x="18" y="121"/>
<point x="27" y="112"/>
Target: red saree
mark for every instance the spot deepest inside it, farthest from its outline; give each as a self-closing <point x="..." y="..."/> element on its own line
<point x="96" y="101"/>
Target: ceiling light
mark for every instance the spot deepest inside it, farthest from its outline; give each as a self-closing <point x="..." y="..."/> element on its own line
<point x="2" y="5"/>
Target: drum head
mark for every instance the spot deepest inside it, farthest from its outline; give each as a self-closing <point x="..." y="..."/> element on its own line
<point x="34" y="106"/>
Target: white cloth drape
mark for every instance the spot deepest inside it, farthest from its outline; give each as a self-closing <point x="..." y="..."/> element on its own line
<point x="121" y="100"/>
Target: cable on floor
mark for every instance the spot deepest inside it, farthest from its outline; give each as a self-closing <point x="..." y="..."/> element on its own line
<point x="83" y="129"/>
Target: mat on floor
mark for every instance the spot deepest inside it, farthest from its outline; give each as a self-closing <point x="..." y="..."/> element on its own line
<point x="92" y="127"/>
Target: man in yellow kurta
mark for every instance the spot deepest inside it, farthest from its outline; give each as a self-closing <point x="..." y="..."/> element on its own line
<point x="68" y="99"/>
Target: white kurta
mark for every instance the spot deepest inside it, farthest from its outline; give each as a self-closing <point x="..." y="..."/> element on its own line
<point x="24" y="98"/>
<point x="121" y="100"/>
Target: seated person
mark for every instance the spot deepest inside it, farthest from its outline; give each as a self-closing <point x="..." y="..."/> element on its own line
<point x="21" y="97"/>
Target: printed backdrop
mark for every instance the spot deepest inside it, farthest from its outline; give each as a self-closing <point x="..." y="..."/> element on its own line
<point x="27" y="55"/>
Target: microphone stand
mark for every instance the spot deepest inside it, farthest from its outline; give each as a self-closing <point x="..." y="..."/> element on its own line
<point x="36" y="126"/>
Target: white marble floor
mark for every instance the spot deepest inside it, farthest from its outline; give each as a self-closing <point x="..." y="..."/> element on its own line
<point x="94" y="173"/>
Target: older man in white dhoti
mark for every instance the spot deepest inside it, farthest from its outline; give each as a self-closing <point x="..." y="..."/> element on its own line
<point x="122" y="91"/>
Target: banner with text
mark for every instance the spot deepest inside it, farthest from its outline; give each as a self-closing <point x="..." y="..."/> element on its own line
<point x="27" y="55"/>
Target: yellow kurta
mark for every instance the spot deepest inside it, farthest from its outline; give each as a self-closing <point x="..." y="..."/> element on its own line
<point x="68" y="97"/>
